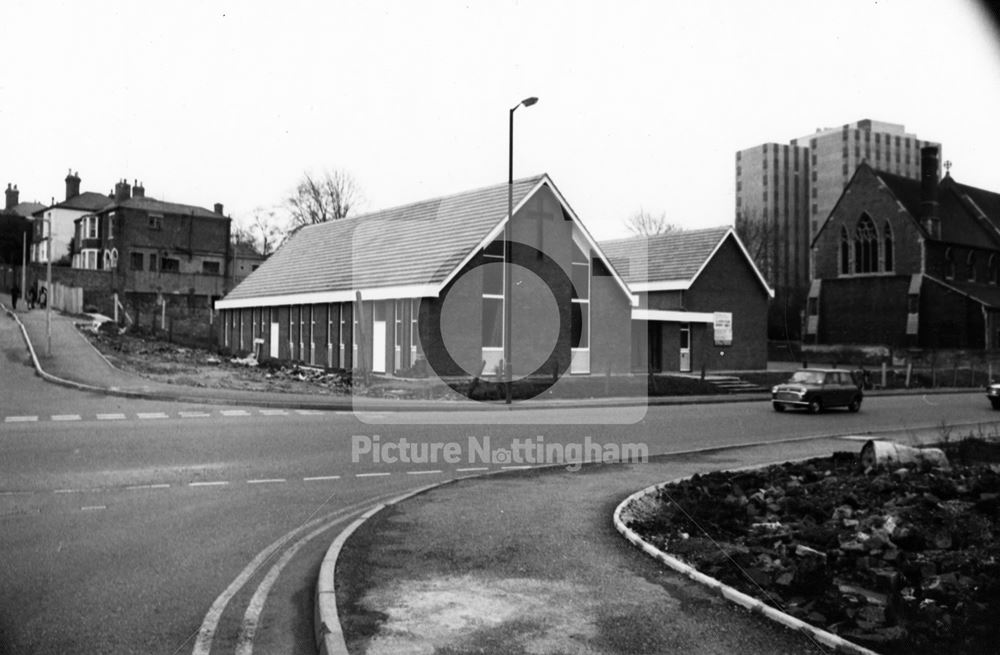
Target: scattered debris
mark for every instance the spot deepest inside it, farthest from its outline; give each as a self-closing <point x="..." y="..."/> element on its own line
<point x="900" y="563"/>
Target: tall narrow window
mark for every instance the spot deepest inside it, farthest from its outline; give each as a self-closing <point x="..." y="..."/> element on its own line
<point x="970" y="264"/>
<point x="865" y="246"/>
<point x="493" y="298"/>
<point x="887" y="250"/>
<point x="845" y="252"/>
<point x="414" y="329"/>
<point x="580" y="338"/>
<point x="949" y="264"/>
<point x="397" y="335"/>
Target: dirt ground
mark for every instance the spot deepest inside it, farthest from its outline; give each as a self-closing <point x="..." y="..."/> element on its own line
<point x="902" y="561"/>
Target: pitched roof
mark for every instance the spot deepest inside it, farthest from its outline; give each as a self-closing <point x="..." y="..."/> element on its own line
<point x="671" y="261"/>
<point x="414" y="245"/>
<point x="23" y="209"/>
<point x="86" y="201"/>
<point x="673" y="256"/>
<point x="146" y="203"/>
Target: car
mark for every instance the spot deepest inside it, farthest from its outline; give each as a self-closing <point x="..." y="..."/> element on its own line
<point x="817" y="389"/>
<point x="993" y="393"/>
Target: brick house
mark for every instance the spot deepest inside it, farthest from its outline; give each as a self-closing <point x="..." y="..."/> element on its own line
<point x="702" y="302"/>
<point x="154" y="247"/>
<point x="907" y="263"/>
<point x="422" y="284"/>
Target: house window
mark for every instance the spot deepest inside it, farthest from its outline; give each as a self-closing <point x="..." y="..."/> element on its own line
<point x="949" y="263"/>
<point x="970" y="263"/>
<point x="155" y="222"/>
<point x="414" y="329"/>
<point x="493" y="298"/>
<point x="168" y="265"/>
<point x="89" y="258"/>
<point x="111" y="226"/>
<point x="90" y="227"/>
<point x="152" y="261"/>
<point x="210" y="268"/>
<point x="136" y="261"/>
<point x="845" y="252"/>
<point x="887" y="250"/>
<point x="865" y="246"/>
<point x="580" y="331"/>
<point x="397" y="334"/>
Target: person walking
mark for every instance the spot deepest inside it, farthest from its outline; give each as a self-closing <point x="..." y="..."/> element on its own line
<point x="43" y="298"/>
<point x="15" y="293"/>
<point x="31" y="298"/>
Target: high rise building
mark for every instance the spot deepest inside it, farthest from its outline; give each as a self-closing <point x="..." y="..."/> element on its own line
<point x="784" y="193"/>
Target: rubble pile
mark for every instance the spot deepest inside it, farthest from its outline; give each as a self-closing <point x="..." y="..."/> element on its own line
<point x="904" y="560"/>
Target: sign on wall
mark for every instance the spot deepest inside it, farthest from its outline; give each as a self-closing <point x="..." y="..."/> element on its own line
<point x="723" y="328"/>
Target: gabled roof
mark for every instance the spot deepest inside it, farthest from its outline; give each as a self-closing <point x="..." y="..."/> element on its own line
<point x="407" y="251"/>
<point x="672" y="261"/>
<point x="969" y="216"/>
<point x="23" y="209"/>
<point x="88" y="201"/>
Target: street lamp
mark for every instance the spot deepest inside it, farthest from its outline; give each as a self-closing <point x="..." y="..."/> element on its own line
<point x="508" y="255"/>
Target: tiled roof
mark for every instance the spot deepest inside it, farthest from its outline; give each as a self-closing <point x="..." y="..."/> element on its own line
<point x="676" y="256"/>
<point x="987" y="295"/>
<point x="87" y="201"/>
<point x="416" y="244"/>
<point x="23" y="209"/>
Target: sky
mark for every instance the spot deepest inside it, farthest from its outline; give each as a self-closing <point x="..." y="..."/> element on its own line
<point x="642" y="105"/>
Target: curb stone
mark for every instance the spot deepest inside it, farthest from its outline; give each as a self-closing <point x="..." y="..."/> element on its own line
<point x="836" y="642"/>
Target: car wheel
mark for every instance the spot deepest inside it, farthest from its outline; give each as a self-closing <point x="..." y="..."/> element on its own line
<point x="815" y="406"/>
<point x="855" y="405"/>
<point x="778" y="407"/>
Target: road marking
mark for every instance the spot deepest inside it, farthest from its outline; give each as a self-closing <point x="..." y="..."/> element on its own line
<point x="16" y="493"/>
<point x="235" y="412"/>
<point x="214" y="483"/>
<point x="422" y="472"/>
<point x="371" y="475"/>
<point x="317" y="478"/>
<point x="89" y="508"/>
<point x="309" y="412"/>
<point x="195" y="414"/>
<point x="474" y="468"/>
<point x="267" y="481"/>
<point x="274" y="412"/>
<point x="151" y="415"/>
<point x="20" y="419"/>
<point x="148" y="486"/>
<point x="68" y="491"/>
<point x="65" y="417"/>
<point x="514" y="468"/>
<point x="110" y="417"/>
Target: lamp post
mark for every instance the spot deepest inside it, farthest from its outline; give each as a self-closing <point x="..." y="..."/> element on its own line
<point x="49" y="296"/>
<point x="508" y="258"/>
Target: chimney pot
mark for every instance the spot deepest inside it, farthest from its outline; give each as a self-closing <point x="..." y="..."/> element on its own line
<point x="12" y="194"/>
<point x="218" y="208"/>
<point x="72" y="185"/>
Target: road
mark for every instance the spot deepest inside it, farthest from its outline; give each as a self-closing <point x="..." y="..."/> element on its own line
<point x="156" y="527"/>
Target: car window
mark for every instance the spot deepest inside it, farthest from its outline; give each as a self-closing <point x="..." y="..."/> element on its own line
<point x="807" y="377"/>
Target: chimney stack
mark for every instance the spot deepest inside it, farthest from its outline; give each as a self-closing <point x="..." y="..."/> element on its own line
<point x="929" y="190"/>
<point x="72" y="185"/>
<point x="138" y="191"/>
<point x="11" y="196"/>
<point x="218" y="208"/>
<point x="123" y="191"/>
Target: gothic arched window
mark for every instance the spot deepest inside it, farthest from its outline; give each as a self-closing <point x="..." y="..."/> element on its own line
<point x="845" y="252"/>
<point x="865" y="246"/>
<point x="887" y="253"/>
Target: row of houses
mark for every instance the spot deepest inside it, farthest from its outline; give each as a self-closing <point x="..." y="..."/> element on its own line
<point x="422" y="285"/>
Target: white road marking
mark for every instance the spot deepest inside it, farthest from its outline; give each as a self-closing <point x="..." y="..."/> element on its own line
<point x="89" y="508"/>
<point x="16" y="493"/>
<point x="309" y="412"/>
<point x="235" y="412"/>
<point x="148" y="486"/>
<point x="371" y="475"/>
<point x="267" y="481"/>
<point x="422" y="472"/>
<point x="65" y="417"/>
<point x="317" y="478"/>
<point x="274" y="412"/>
<point x="68" y="491"/>
<point x="473" y="468"/>
<point x="214" y="483"/>
<point x="20" y="419"/>
<point x="110" y="417"/>
<point x="151" y="415"/>
<point x="194" y="414"/>
<point x="514" y="468"/>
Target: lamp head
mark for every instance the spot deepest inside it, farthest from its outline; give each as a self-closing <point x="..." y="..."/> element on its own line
<point x="527" y="102"/>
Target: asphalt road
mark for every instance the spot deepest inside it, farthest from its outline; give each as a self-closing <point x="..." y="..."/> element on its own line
<point x="154" y="527"/>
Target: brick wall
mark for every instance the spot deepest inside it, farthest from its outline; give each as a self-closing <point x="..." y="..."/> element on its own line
<point x="864" y="310"/>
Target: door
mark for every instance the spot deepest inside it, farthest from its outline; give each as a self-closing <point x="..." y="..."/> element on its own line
<point x="274" y="341"/>
<point x="685" y="348"/>
<point x="378" y="338"/>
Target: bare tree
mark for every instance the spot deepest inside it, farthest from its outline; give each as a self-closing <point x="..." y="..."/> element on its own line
<point x="263" y="232"/>
<point x="643" y="223"/>
<point x="758" y="235"/>
<point x="318" y="199"/>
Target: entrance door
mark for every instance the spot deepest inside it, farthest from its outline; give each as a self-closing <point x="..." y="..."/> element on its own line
<point x="685" y="348"/>
<point x="274" y="340"/>
<point x="378" y="338"/>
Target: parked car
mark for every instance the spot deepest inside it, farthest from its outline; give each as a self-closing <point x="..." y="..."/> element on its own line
<point x="817" y="389"/>
<point x="993" y="393"/>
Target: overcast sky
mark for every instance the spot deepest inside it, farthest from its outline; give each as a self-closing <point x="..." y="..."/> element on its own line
<point x="642" y="104"/>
